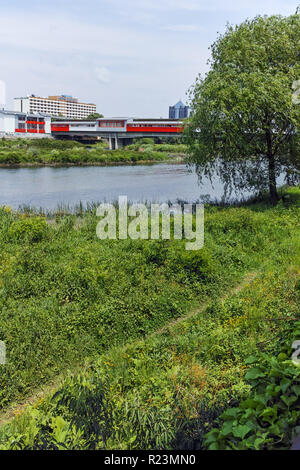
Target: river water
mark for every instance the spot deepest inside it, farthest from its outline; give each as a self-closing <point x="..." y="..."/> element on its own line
<point x="50" y="187"/>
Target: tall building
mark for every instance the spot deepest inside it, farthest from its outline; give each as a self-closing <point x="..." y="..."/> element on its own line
<point x="62" y="105"/>
<point x="179" y="111"/>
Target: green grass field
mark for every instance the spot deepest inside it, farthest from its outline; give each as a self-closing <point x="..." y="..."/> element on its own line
<point x="162" y="336"/>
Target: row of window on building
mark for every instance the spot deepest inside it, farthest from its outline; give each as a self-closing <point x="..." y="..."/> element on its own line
<point x="66" y="107"/>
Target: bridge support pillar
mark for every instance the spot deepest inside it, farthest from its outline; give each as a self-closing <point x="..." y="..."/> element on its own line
<point x="111" y="143"/>
<point x="120" y="142"/>
<point x="114" y="142"/>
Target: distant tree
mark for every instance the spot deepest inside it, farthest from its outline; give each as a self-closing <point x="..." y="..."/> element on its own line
<point x="144" y="141"/>
<point x="95" y="116"/>
<point x="245" y="118"/>
<point x="176" y="139"/>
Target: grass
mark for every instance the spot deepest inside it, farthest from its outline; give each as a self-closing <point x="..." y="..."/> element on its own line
<point x="149" y="381"/>
<point x="50" y="152"/>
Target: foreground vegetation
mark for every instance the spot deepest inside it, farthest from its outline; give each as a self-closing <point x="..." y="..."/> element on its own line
<point x="67" y="298"/>
<point x="38" y="152"/>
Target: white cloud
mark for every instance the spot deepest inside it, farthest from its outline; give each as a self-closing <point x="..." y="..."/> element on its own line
<point x="218" y="6"/>
<point x="64" y="55"/>
<point x="59" y="34"/>
<point x="103" y="74"/>
<point x="183" y="28"/>
<point x="71" y="37"/>
<point x="128" y="45"/>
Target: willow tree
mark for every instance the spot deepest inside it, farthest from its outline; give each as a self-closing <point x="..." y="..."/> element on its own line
<point x="245" y="111"/>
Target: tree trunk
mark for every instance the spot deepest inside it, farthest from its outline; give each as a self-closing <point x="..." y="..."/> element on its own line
<point x="272" y="170"/>
<point x="272" y="181"/>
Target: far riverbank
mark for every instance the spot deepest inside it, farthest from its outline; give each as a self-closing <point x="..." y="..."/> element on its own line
<point x="172" y="160"/>
<point x="27" y="153"/>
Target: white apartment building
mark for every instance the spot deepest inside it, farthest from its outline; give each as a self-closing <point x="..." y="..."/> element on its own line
<point x="62" y="105"/>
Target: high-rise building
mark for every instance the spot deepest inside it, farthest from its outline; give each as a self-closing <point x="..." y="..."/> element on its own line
<point x="179" y="111"/>
<point x="62" y="105"/>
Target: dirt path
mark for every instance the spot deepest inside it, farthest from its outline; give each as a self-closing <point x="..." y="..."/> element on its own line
<point x="38" y="394"/>
<point x="47" y="389"/>
<point x="246" y="280"/>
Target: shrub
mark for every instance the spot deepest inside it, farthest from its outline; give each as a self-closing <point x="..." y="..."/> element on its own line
<point x="196" y="263"/>
<point x="11" y="158"/>
<point x="32" y="229"/>
<point x="269" y="418"/>
<point x="156" y="252"/>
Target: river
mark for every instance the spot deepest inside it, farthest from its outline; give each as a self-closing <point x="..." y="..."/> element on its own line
<point x="49" y="187"/>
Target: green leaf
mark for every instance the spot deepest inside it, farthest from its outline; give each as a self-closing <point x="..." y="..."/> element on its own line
<point x="241" y="430"/>
<point x="254" y="373"/>
<point x="289" y="400"/>
<point x="258" y="441"/>
<point x="251" y="360"/>
<point x="284" y="384"/>
<point x="230" y="414"/>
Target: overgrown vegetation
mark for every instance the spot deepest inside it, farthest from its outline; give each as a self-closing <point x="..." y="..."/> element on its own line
<point x="25" y="152"/>
<point x="270" y="417"/>
<point x="67" y="298"/>
<point x="148" y="145"/>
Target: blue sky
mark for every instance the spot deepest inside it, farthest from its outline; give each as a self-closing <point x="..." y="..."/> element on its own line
<point x="130" y="57"/>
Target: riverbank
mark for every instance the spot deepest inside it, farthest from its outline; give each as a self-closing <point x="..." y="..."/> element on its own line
<point x="176" y="159"/>
<point x="119" y="307"/>
<point x="28" y="153"/>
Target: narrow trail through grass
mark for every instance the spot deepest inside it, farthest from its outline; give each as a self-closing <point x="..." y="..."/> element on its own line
<point x="248" y="278"/>
<point x="48" y="389"/>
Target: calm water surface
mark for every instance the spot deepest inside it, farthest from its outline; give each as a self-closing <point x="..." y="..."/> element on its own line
<point x="50" y="187"/>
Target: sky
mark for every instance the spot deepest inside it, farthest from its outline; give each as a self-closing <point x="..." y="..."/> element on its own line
<point x="129" y="57"/>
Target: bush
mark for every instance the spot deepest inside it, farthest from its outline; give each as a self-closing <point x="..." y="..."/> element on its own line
<point x="10" y="158"/>
<point x="195" y="264"/>
<point x="156" y="252"/>
<point x="144" y="141"/>
<point x="269" y="419"/>
<point x="54" y="144"/>
<point x="32" y="229"/>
